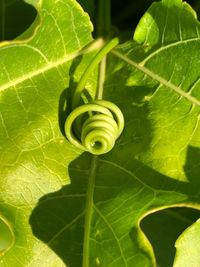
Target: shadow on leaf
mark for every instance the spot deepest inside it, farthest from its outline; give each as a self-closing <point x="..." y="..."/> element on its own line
<point x="58" y="219"/>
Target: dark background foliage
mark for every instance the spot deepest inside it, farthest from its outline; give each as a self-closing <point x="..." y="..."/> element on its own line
<point x="16" y="15"/>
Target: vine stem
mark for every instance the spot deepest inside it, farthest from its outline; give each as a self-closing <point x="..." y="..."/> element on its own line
<point x="103" y="18"/>
<point x="95" y="61"/>
<point x="3" y="9"/>
<point x="103" y="30"/>
<point x="99" y="58"/>
<point x="88" y="213"/>
<point x="102" y="74"/>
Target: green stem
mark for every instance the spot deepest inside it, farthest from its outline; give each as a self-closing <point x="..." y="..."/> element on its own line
<point x="89" y="209"/>
<point x="95" y="61"/>
<point x="3" y="11"/>
<point x="102" y="74"/>
<point x="103" y="30"/>
<point x="103" y="18"/>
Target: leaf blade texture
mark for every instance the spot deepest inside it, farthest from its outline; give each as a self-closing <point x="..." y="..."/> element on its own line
<point x="154" y="164"/>
<point x="34" y="72"/>
<point x="187" y="246"/>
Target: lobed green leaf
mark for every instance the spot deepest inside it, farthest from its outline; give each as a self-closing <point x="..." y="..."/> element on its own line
<point x="154" y="79"/>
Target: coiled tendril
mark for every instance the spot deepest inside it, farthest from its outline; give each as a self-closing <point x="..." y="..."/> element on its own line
<point x="94" y="127"/>
<point x="99" y="131"/>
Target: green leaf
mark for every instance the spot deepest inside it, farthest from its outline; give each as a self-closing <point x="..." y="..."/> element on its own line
<point x="33" y="2"/>
<point x="188" y="247"/>
<point x="155" y="82"/>
<point x="7" y="236"/>
<point x="154" y="79"/>
<point x="33" y="155"/>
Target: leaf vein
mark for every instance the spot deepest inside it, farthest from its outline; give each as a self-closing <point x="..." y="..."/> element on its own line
<point x="162" y="48"/>
<point x="50" y="65"/>
<point x="158" y="78"/>
<point x="114" y="234"/>
<point x="126" y="171"/>
<point x="59" y="30"/>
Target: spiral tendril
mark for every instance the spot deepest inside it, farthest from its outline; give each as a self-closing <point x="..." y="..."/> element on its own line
<point x="99" y="131"/>
<point x="94" y="127"/>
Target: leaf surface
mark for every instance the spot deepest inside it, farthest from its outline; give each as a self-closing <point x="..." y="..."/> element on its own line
<point x="154" y="79"/>
<point x="33" y="155"/>
<point x="187" y="246"/>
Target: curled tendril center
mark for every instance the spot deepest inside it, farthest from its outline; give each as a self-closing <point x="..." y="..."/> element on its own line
<point x="96" y="132"/>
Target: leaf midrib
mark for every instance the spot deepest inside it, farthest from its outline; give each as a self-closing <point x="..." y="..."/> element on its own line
<point x="37" y="72"/>
<point x="93" y="46"/>
<point x="157" y="78"/>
